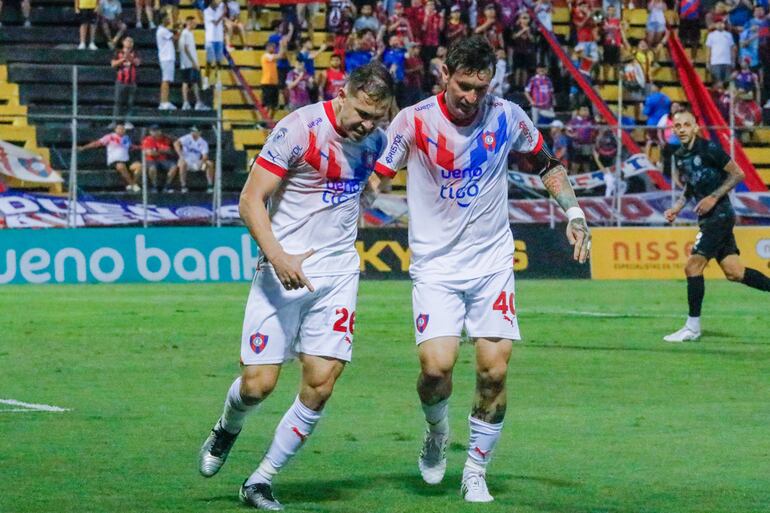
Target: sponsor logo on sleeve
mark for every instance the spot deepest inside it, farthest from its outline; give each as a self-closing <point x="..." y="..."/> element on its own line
<point x="393" y="148"/>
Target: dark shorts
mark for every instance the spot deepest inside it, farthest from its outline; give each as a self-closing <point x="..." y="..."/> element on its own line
<point x="611" y="55"/>
<point x="87" y="16"/>
<point x="190" y="76"/>
<point x="716" y="239"/>
<point x="270" y="96"/>
<point x="162" y="165"/>
<point x="115" y="165"/>
<point x="689" y="32"/>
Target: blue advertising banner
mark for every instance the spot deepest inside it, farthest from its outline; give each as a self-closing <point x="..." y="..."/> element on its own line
<point x="123" y="255"/>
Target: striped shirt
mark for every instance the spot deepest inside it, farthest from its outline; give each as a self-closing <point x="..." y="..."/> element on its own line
<point x="127" y="70"/>
<point x="540" y="89"/>
<point x="689" y="9"/>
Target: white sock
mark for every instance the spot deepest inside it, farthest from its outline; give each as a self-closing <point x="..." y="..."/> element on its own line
<point x="295" y="426"/>
<point x="483" y="439"/>
<point x="235" y="412"/>
<point x="693" y="323"/>
<point x="437" y="416"/>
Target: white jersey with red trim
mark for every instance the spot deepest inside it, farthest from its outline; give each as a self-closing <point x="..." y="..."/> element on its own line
<point x="317" y="204"/>
<point x="457" y="187"/>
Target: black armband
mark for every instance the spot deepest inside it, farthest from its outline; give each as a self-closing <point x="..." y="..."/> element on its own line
<point x="543" y="161"/>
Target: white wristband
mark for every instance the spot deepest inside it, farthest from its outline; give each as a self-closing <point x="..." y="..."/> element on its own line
<point x="575" y="213"/>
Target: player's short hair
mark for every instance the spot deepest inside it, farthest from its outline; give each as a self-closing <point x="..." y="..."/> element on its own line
<point x="472" y="54"/>
<point x="372" y="79"/>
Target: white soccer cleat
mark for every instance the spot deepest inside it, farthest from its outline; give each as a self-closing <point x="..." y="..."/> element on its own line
<point x="683" y="335"/>
<point x="474" y="488"/>
<point x="432" y="461"/>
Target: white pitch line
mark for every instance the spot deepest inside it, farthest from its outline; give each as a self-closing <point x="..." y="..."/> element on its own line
<point x="27" y="407"/>
<point x="582" y="313"/>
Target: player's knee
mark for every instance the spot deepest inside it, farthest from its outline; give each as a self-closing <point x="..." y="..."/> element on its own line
<point x="693" y="268"/>
<point x="434" y="375"/>
<point x="256" y="388"/>
<point x="492" y="378"/>
<point x="734" y="274"/>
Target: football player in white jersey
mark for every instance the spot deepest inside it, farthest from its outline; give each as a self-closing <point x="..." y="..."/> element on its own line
<point x="301" y="204"/>
<point x="455" y="147"/>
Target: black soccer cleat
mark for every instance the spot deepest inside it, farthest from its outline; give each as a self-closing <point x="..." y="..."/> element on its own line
<point x="215" y="450"/>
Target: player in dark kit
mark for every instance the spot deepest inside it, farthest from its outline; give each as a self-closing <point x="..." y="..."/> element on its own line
<point x="708" y="174"/>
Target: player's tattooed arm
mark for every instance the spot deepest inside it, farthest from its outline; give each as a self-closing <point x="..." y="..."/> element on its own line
<point x="734" y="176"/>
<point x="671" y="213"/>
<point x="557" y="184"/>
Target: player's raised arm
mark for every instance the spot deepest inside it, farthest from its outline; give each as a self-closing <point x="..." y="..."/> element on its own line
<point x="260" y="185"/>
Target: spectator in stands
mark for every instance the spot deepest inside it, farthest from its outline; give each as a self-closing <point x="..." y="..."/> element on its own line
<point x="716" y="15"/>
<point x="490" y="27"/>
<point x="254" y="11"/>
<point x="269" y="82"/>
<point x="656" y="105"/>
<point x="393" y="58"/>
<point x="86" y="11"/>
<point x="581" y="131"/>
<point x="540" y="94"/>
<point x="746" y="81"/>
<point x="165" y="38"/>
<point x="605" y="149"/>
<point x="414" y="74"/>
<point x="360" y="53"/>
<point x="214" y="21"/>
<point x="455" y="28"/>
<point x="435" y="65"/>
<point x="544" y="13"/>
<point x="667" y="139"/>
<point x="656" y="22"/>
<point x="739" y="13"/>
<point x="306" y="11"/>
<point x="193" y="152"/>
<point x="433" y="24"/>
<point x="720" y="51"/>
<point x="307" y="56"/>
<point x="26" y="7"/>
<point x="560" y="142"/>
<point x="762" y="25"/>
<point x="146" y="7"/>
<point x="415" y="13"/>
<point x="366" y="20"/>
<point x="748" y="45"/>
<point x="160" y="156"/>
<point x="189" y="67"/>
<point x="298" y="83"/>
<point x="587" y="38"/>
<point x="524" y="55"/>
<point x="109" y="18"/>
<point x="500" y="80"/>
<point x="613" y="39"/>
<point x="332" y="79"/>
<point x="689" y="13"/>
<point x="234" y="25"/>
<point x="125" y="63"/>
<point x="398" y="24"/>
<point x="170" y="8"/>
<point x="341" y="26"/>
<point x="647" y="62"/>
<point x="118" y="145"/>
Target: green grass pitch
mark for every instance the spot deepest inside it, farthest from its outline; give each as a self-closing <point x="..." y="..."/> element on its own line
<point x="603" y="416"/>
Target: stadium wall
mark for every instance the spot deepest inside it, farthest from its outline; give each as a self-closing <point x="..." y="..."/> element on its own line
<point x="195" y="254"/>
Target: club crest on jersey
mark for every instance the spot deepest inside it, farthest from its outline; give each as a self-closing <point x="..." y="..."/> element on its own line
<point x="258" y="342"/>
<point x="489" y="141"/>
<point x="697" y="160"/>
<point x="422" y="322"/>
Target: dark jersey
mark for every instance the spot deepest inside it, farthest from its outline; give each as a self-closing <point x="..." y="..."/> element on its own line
<point x="702" y="171"/>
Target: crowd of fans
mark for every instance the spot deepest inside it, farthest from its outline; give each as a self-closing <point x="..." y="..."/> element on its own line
<point x="410" y="38"/>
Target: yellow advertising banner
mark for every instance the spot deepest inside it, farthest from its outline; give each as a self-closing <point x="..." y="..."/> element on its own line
<point x="661" y="253"/>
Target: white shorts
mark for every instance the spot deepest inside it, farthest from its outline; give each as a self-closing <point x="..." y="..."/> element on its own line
<point x="167" y="70"/>
<point x="484" y="306"/>
<point x="194" y="165"/>
<point x="280" y="323"/>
